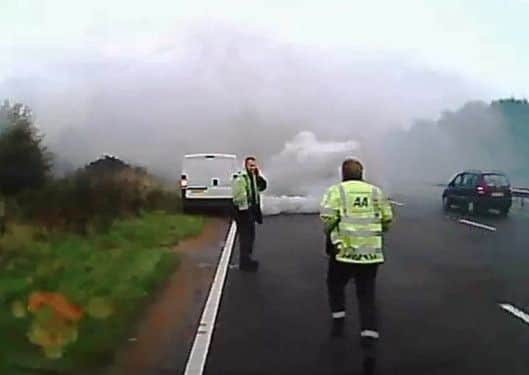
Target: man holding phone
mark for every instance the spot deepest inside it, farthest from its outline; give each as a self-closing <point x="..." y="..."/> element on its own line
<point x="247" y="186"/>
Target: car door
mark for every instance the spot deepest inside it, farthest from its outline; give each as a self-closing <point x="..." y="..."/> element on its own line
<point x="468" y="187"/>
<point x="454" y="189"/>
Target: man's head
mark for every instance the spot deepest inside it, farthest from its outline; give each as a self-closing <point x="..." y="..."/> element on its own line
<point x="250" y="164"/>
<point x="352" y="169"/>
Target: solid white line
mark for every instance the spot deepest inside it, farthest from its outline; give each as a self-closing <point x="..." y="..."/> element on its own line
<point x="477" y="225"/>
<point x="199" y="353"/>
<point x="516" y="312"/>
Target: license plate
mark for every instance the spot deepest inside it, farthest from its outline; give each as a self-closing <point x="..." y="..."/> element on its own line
<point x="497" y="194"/>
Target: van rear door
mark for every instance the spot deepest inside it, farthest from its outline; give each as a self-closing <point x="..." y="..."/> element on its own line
<point x="209" y="176"/>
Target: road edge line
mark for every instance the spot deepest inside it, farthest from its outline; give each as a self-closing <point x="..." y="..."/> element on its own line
<point x="477" y="225"/>
<point x="520" y="314"/>
<point x="196" y="361"/>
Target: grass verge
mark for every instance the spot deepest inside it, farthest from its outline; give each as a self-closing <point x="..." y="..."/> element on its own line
<point x="67" y="301"/>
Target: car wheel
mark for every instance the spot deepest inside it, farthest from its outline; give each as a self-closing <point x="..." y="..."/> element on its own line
<point x="447" y="203"/>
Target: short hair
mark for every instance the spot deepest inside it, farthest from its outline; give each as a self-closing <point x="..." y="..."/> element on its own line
<point x="249" y="158"/>
<point x="352" y="169"/>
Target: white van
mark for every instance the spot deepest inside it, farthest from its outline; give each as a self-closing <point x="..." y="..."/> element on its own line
<point x="206" y="179"/>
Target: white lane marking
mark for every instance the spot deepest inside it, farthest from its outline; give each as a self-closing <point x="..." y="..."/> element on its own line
<point x="477" y="225"/>
<point x="516" y="312"/>
<point x="199" y="353"/>
<point x="395" y="203"/>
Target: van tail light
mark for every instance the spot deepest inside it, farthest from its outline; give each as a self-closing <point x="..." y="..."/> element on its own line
<point x="183" y="182"/>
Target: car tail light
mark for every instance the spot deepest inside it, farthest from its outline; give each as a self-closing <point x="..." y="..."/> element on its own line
<point x="481" y="189"/>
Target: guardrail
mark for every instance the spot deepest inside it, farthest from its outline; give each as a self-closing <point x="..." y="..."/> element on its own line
<point x="522" y="193"/>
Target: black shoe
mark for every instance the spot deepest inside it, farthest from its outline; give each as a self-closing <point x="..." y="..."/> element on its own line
<point x="338" y="328"/>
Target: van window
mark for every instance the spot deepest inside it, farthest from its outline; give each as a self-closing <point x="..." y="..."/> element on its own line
<point x="201" y="171"/>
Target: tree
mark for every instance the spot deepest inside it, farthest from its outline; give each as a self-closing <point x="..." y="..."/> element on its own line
<point x="24" y="162"/>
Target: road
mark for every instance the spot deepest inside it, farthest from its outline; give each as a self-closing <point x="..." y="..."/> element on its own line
<point x="439" y="294"/>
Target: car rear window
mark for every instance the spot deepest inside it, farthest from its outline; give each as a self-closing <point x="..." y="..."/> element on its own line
<point x="496" y="180"/>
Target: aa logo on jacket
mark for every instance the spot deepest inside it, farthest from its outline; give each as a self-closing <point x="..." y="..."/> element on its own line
<point x="361" y="202"/>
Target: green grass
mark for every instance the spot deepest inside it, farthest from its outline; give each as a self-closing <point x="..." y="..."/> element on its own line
<point x="110" y="276"/>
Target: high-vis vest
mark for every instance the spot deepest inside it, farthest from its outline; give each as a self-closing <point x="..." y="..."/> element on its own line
<point x="354" y="212"/>
<point x="242" y="192"/>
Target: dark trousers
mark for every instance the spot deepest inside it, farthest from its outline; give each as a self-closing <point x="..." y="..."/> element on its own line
<point x="339" y="274"/>
<point x="246" y="226"/>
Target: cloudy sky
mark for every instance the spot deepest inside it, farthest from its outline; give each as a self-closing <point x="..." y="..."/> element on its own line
<point x="481" y="40"/>
<point x="167" y="73"/>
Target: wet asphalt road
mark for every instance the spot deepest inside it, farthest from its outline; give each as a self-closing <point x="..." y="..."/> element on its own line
<point x="438" y="294"/>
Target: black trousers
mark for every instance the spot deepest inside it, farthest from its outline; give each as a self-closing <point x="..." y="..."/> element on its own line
<point x="339" y="274"/>
<point x="246" y="226"/>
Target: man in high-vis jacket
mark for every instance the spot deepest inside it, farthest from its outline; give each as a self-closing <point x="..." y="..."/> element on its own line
<point x="247" y="187"/>
<point x="354" y="214"/>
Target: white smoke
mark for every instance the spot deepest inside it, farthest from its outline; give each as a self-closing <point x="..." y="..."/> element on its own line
<point x="290" y="205"/>
<point x="299" y="174"/>
<point x="306" y="164"/>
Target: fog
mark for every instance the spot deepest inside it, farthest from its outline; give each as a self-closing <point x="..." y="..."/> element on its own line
<point x="476" y="136"/>
<point x="299" y="109"/>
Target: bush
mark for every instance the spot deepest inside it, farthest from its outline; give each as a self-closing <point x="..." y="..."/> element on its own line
<point x="91" y="199"/>
<point x="164" y="200"/>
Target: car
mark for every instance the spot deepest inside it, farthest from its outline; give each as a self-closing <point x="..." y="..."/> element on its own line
<point x="477" y="191"/>
<point x="206" y="181"/>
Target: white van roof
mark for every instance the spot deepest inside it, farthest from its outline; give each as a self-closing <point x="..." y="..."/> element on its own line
<point x="226" y="156"/>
